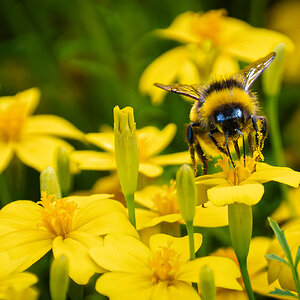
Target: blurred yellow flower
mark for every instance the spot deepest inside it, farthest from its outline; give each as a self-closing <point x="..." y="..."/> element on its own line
<point x="69" y="226"/>
<point x="31" y="138"/>
<point x="162" y="271"/>
<point x="277" y="270"/>
<point x="151" y="141"/>
<point x="161" y="205"/>
<point x="243" y="184"/>
<point x="284" y="17"/>
<point x="13" y="284"/>
<point x="212" y="44"/>
<point x="257" y="268"/>
<point x="283" y="213"/>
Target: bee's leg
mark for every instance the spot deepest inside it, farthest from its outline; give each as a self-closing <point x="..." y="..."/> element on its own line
<point x="191" y="142"/>
<point x="259" y="142"/>
<point x="210" y="135"/>
<point x="244" y="148"/>
<point x="263" y="130"/>
<point x="228" y="152"/>
<point x="203" y="158"/>
<point x="194" y="145"/>
<point x="250" y="143"/>
<point x="237" y="149"/>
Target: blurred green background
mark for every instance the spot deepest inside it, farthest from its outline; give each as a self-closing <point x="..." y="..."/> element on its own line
<point x="87" y="56"/>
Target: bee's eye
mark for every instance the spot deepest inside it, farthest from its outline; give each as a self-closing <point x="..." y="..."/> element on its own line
<point x="229" y="114"/>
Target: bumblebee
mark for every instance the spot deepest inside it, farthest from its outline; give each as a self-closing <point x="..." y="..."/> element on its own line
<point x="224" y="112"/>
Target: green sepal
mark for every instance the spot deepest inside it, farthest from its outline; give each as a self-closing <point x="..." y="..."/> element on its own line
<point x="279" y="292"/>
<point x="277" y="258"/>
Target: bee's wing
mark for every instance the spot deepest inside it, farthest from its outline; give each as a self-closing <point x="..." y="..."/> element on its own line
<point x="192" y="91"/>
<point x="251" y="72"/>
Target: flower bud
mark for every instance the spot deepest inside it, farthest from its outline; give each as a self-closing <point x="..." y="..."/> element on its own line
<point x="272" y="76"/>
<point x="49" y="182"/>
<point x="63" y="170"/>
<point x="126" y="149"/>
<point x="207" y="283"/>
<point x="186" y="192"/>
<point x="59" y="279"/>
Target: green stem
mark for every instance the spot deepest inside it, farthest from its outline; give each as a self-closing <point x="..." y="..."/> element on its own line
<point x="131" y="208"/>
<point x="190" y="230"/>
<point x="5" y="195"/>
<point x="240" y="228"/>
<point x="246" y="279"/>
<point x="296" y="280"/>
<point x="277" y="145"/>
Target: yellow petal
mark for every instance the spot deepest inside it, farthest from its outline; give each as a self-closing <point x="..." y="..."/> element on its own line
<point x="163" y="69"/>
<point x="155" y="140"/>
<point x="256" y="258"/>
<point x="103" y="140"/>
<point x="179" y="244"/>
<point x="115" y="257"/>
<point x="39" y="152"/>
<point x="52" y="125"/>
<point x="145" y="196"/>
<point x="249" y="194"/>
<point x="19" y="215"/>
<point x="181" y="28"/>
<point x="211" y="215"/>
<point x="130" y="286"/>
<point x="225" y="271"/>
<point x="103" y="217"/>
<point x="146" y="218"/>
<point x="172" y="159"/>
<point x="178" y="290"/>
<point x="225" y="65"/>
<point x="265" y="173"/>
<point x="31" y="244"/>
<point x="19" y="281"/>
<point x="93" y="160"/>
<point x="189" y="73"/>
<point x="212" y="180"/>
<point x="6" y="153"/>
<point x="75" y="247"/>
<point x="246" y="48"/>
<point x="150" y="170"/>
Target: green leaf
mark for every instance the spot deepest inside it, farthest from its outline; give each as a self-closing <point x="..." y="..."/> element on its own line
<point x="276" y="257"/>
<point x="297" y="259"/>
<point x="281" y="239"/>
<point x="279" y="292"/>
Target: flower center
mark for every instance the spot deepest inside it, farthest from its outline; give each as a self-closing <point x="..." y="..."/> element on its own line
<point x="165" y="265"/>
<point x="241" y="171"/>
<point x="208" y="26"/>
<point x="12" y="117"/>
<point x="57" y="214"/>
<point x="165" y="201"/>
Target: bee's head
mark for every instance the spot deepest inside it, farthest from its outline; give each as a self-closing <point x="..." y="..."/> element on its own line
<point x="229" y="120"/>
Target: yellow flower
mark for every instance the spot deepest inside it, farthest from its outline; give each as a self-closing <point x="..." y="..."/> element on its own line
<point x="13" y="284"/>
<point x="243" y="184"/>
<point x="31" y="138"/>
<point x="212" y="44"/>
<point x="162" y="271"/>
<point x="283" y="212"/>
<point x="277" y="270"/>
<point x="69" y="226"/>
<point x="284" y="17"/>
<point x="256" y="265"/>
<point x="161" y="205"/>
<point x="151" y="141"/>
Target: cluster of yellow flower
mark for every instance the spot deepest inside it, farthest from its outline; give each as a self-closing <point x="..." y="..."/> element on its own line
<point x="141" y="254"/>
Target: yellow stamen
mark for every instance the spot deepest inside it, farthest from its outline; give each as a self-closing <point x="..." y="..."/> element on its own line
<point x="57" y="214"/>
<point x="208" y="26"/>
<point x="165" y="202"/>
<point x="12" y="117"/>
<point x="241" y="172"/>
<point x="165" y="265"/>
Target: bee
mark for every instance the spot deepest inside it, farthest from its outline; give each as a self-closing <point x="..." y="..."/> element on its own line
<point x="225" y="111"/>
